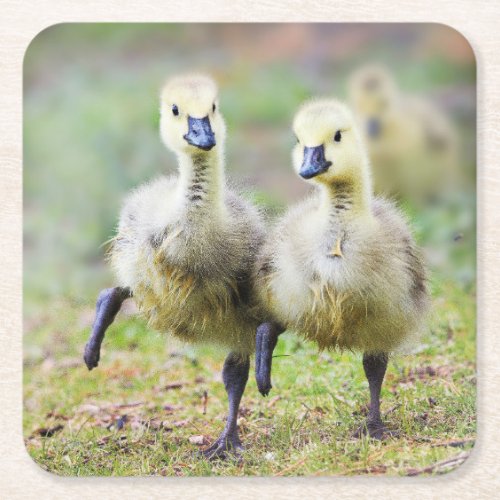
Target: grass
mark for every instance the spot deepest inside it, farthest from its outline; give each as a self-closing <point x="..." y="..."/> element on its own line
<point x="152" y="403"/>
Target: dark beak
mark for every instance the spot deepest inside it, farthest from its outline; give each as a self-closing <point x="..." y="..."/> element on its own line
<point x="200" y="133"/>
<point x="373" y="128"/>
<point x="314" y="162"/>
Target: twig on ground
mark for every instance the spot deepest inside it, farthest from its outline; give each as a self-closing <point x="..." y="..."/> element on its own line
<point x="393" y="408"/>
<point x="128" y="405"/>
<point x="273" y="401"/>
<point x="454" y="443"/>
<point x="291" y="467"/>
<point x="439" y="466"/>
<point x="48" y="432"/>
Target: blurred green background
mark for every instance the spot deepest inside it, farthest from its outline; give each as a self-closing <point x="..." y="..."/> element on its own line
<point x="91" y="113"/>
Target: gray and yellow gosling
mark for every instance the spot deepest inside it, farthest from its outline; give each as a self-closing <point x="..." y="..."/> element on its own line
<point x="185" y="247"/>
<point x="341" y="267"/>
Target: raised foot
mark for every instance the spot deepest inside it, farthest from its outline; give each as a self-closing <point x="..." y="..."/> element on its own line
<point x="265" y="343"/>
<point x="376" y="430"/>
<point x="263" y="379"/>
<point x="224" y="448"/>
<point x="91" y="355"/>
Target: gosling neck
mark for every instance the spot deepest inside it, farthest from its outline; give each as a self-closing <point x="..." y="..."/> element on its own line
<point x="347" y="198"/>
<point x="201" y="182"/>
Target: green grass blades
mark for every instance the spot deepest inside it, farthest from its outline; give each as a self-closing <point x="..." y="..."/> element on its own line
<point x="152" y="404"/>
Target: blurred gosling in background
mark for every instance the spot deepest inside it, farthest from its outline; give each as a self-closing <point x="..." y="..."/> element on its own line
<point x="341" y="268"/>
<point x="186" y="245"/>
<point x="412" y="145"/>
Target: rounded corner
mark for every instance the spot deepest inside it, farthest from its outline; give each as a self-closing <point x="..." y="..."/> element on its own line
<point x="38" y="464"/>
<point x="470" y="454"/>
<point x="461" y="35"/>
<point x="37" y="36"/>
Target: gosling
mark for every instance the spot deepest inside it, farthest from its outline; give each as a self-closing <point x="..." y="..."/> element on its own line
<point x="412" y="145"/>
<point x="341" y="268"/>
<point x="185" y="247"/>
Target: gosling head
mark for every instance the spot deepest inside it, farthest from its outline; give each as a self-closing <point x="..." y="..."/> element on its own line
<point x="190" y="121"/>
<point x="329" y="149"/>
<point x="373" y="94"/>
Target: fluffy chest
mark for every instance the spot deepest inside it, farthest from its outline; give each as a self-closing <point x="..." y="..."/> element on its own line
<point x="317" y="273"/>
<point x="175" y="291"/>
<point x="328" y="259"/>
<point x="183" y="301"/>
<point x="179" y="260"/>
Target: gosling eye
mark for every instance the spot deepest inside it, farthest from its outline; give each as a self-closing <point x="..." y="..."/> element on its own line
<point x="213" y="107"/>
<point x="338" y="136"/>
<point x="175" y="110"/>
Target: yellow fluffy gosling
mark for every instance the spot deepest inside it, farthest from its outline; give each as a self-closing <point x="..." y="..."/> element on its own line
<point x="341" y="267"/>
<point x="412" y="145"/>
<point x="186" y="245"/>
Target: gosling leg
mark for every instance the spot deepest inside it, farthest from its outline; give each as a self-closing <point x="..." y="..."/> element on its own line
<point x="108" y="304"/>
<point x="375" y="366"/>
<point x="265" y="342"/>
<point x="235" y="376"/>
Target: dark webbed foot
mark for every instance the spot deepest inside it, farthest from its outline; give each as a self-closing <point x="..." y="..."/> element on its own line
<point x="376" y="430"/>
<point x="226" y="446"/>
<point x="235" y="376"/>
<point x="265" y="342"/>
<point x="108" y="305"/>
